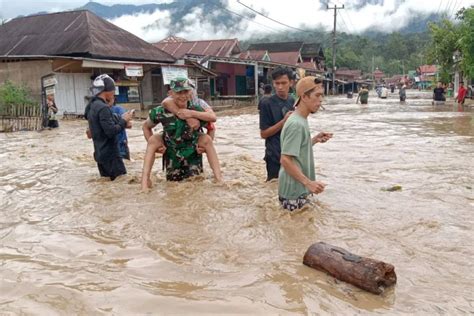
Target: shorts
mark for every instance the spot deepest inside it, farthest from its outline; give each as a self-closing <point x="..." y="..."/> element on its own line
<point x="295" y="204"/>
<point x="112" y="168"/>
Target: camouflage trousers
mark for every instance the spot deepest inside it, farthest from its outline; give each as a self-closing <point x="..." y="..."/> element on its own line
<point x="182" y="162"/>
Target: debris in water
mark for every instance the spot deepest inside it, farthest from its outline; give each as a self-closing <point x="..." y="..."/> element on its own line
<point x="393" y="188"/>
<point x="369" y="274"/>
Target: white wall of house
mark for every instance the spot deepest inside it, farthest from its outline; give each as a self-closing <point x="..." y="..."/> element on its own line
<point x="71" y="91"/>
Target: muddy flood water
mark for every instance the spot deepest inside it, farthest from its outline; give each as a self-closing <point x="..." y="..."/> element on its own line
<point x="71" y="243"/>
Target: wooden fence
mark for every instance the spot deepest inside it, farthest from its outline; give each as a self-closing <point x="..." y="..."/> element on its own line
<point x="23" y="117"/>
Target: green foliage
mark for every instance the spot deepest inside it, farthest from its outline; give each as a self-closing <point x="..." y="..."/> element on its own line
<point x="449" y="37"/>
<point x="467" y="41"/>
<point x="12" y="94"/>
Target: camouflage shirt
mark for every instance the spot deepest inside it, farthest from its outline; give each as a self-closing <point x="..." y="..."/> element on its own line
<point x="181" y="159"/>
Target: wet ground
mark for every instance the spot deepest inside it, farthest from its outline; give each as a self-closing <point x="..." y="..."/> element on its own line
<point x="71" y="243"/>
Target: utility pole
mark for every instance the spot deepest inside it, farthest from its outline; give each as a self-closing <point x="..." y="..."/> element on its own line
<point x="335" y="8"/>
<point x="373" y="76"/>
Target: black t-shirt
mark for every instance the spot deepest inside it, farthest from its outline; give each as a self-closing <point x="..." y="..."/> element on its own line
<point x="272" y="111"/>
<point x="438" y="94"/>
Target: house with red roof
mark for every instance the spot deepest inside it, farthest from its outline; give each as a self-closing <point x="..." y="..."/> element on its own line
<point x="235" y="71"/>
<point x="378" y="75"/>
<point x="238" y="72"/>
<point x="426" y="76"/>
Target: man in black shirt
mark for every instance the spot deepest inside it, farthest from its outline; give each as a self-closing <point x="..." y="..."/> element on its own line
<point x="274" y="111"/>
<point x="104" y="127"/>
<point x="438" y="93"/>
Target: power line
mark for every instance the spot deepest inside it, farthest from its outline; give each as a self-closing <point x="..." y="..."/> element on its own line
<point x="281" y="23"/>
<point x="246" y="18"/>
<point x="447" y="7"/>
<point x="347" y="15"/>
<point x="454" y="8"/>
<point x="343" y="21"/>
<point x="439" y="7"/>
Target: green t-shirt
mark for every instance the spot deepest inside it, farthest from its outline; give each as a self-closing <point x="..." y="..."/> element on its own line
<point x="296" y="142"/>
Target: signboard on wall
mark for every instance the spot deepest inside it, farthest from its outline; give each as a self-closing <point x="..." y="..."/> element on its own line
<point x="170" y="73"/>
<point x="134" y="70"/>
<point x="49" y="81"/>
<point x="50" y="91"/>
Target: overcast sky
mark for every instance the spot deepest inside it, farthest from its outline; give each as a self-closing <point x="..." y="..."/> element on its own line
<point x="392" y="15"/>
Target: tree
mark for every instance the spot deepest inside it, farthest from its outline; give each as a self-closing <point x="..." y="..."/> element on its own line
<point x="448" y="37"/>
<point x="467" y="40"/>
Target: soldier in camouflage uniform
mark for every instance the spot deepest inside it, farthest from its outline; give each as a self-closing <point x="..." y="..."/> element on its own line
<point x="180" y="143"/>
<point x="181" y="159"/>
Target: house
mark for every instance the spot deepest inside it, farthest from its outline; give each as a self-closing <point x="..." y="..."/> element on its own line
<point x="378" y="76"/>
<point x="60" y="54"/>
<point x="235" y="73"/>
<point x="295" y="54"/>
<point x="426" y="76"/>
<point x="348" y="79"/>
<point x="304" y="58"/>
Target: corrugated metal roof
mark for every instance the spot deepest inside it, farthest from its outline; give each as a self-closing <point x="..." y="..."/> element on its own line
<point x="428" y="69"/>
<point x="253" y="54"/>
<point x="289" y="58"/>
<point x="218" y="48"/>
<point x="74" y="33"/>
<point x="277" y="47"/>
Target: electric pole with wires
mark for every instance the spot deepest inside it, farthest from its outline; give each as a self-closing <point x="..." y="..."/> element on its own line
<point x="334" y="47"/>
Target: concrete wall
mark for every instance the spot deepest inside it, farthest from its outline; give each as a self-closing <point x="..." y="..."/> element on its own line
<point x="27" y="72"/>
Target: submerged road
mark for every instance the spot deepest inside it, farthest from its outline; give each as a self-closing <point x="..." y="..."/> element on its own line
<point x="71" y="243"/>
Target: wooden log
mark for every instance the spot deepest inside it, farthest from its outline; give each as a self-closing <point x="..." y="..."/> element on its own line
<point x="366" y="273"/>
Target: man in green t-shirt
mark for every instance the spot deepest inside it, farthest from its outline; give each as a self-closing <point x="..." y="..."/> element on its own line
<point x="297" y="176"/>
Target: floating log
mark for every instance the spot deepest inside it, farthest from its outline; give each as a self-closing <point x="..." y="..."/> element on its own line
<point x="366" y="273"/>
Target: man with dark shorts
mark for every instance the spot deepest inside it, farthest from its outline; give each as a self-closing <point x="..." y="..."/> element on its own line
<point x="105" y="127"/>
<point x="274" y="111"/>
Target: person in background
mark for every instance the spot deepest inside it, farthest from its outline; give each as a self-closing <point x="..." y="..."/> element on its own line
<point x="261" y="90"/>
<point x="274" y="111"/>
<point x="52" y="110"/>
<point x="297" y="176"/>
<point x="403" y="93"/>
<point x="384" y="92"/>
<point x="104" y="127"/>
<point x="363" y="95"/>
<point x="267" y="92"/>
<point x="122" y="136"/>
<point x="438" y="93"/>
<point x="462" y="91"/>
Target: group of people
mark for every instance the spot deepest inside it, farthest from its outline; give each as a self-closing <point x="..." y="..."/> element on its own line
<point x="283" y="125"/>
<point x="288" y="142"/>
<point x="439" y="94"/>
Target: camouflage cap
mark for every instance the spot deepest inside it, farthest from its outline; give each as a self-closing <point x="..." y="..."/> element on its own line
<point x="180" y="84"/>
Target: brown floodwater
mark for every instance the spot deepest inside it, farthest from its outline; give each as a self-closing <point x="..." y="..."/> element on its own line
<point x="71" y="243"/>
